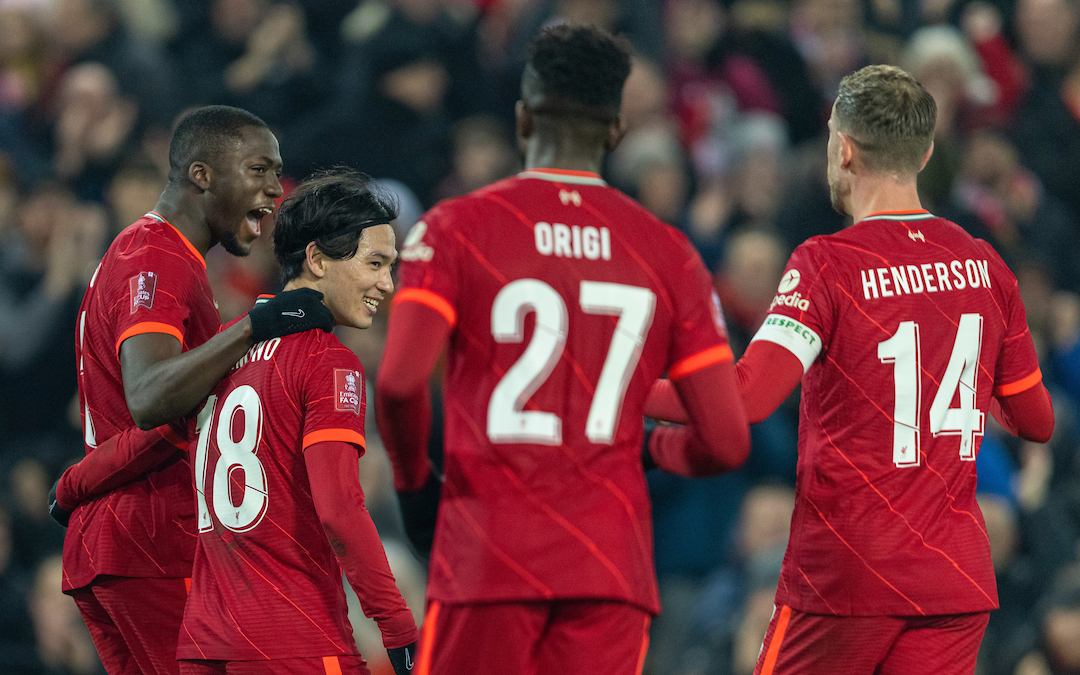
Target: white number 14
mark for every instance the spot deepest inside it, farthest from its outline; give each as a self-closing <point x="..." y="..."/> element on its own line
<point x="966" y="421"/>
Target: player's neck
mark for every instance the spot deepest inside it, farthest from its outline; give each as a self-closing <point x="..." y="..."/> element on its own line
<point x="882" y="194"/>
<point x="566" y="156"/>
<point x="175" y="206"/>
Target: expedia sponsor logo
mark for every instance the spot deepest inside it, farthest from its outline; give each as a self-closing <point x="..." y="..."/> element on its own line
<point x="414" y="248"/>
<point x="790" y="300"/>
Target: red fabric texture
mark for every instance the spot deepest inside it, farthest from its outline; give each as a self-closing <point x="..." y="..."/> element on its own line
<point x="553" y="262"/>
<point x="266" y="582"/>
<point x="144" y="528"/>
<point x="1029" y="414"/>
<point x="339" y="501"/>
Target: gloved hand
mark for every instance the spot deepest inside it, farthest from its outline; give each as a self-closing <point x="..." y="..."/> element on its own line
<point x="419" y="512"/>
<point x="58" y="513"/>
<point x="290" y="312"/>
<point x="403" y="659"/>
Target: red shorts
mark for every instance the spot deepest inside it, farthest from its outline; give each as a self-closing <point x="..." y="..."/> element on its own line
<point x="324" y="665"/>
<point x="818" y="644"/>
<point x="134" y="622"/>
<point x="533" y="638"/>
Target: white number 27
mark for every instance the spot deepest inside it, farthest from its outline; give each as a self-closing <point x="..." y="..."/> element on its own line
<point x="966" y="421"/>
<point x="507" y="421"/>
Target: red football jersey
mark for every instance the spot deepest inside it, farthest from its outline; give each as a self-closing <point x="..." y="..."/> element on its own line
<point x="906" y="327"/>
<point x="567" y="300"/>
<point x="151" y="280"/>
<point x="265" y="583"/>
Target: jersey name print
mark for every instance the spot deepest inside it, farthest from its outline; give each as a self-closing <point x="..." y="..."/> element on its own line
<point x="151" y="280"/>
<point x="903" y="340"/>
<point x="567" y="300"/>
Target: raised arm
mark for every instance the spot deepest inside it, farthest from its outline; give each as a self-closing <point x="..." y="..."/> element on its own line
<point x="162" y="382"/>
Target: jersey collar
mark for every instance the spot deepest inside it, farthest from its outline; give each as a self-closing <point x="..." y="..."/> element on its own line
<point x="564" y="176"/>
<point x="914" y="214"/>
<point x="191" y="247"/>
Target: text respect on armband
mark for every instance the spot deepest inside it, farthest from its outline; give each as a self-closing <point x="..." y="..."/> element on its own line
<point x="572" y="241"/>
<point x="887" y="282"/>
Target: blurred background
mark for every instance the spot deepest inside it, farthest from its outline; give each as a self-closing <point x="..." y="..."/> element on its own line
<point x="726" y="108"/>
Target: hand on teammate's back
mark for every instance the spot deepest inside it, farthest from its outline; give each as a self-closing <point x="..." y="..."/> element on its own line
<point x="290" y="312"/>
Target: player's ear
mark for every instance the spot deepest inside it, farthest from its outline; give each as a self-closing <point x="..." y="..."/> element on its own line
<point x="314" y="260"/>
<point x="616" y="132"/>
<point x="848" y="150"/>
<point x="199" y="174"/>
<point x="926" y="157"/>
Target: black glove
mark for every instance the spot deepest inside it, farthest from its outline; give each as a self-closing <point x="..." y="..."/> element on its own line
<point x="419" y="511"/>
<point x="403" y="658"/>
<point x="647" y="461"/>
<point x="290" y="312"/>
<point x="58" y="513"/>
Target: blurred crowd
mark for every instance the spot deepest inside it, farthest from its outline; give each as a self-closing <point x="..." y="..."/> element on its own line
<point x="726" y="110"/>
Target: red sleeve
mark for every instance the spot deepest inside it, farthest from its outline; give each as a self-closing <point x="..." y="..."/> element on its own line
<point x="402" y="398"/>
<point x="1029" y="414"/>
<point x="767" y="374"/>
<point x="333" y="471"/>
<point x="115" y="462"/>
<point x="717" y="438"/>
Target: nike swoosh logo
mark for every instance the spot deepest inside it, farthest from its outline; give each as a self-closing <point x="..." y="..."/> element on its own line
<point x="299" y="314"/>
<point x="408" y="660"/>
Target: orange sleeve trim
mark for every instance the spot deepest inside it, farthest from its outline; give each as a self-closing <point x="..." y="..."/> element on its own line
<point x="172" y="437"/>
<point x="703" y="359"/>
<point x="342" y="435"/>
<point x="429" y="298"/>
<point x="149" y="327"/>
<point x="1020" y="385"/>
<point x="190" y="246"/>
<point x="427" y="639"/>
<point x="774" y="644"/>
<point x="187" y="585"/>
<point x="331" y="665"/>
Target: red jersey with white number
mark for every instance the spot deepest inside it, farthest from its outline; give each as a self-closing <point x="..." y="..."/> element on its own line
<point x="567" y="300"/>
<point x="906" y="326"/>
<point x="266" y="584"/>
<point x="151" y="280"/>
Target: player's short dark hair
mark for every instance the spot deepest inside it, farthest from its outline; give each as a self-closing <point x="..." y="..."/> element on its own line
<point x="889" y="115"/>
<point x="203" y="134"/>
<point x="577" y="71"/>
<point x="331" y="208"/>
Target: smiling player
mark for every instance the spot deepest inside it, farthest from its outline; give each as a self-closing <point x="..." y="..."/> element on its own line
<point x="275" y="466"/>
<point x="147" y="354"/>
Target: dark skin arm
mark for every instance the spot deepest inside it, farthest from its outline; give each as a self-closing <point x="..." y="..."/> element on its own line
<point x="162" y="384"/>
